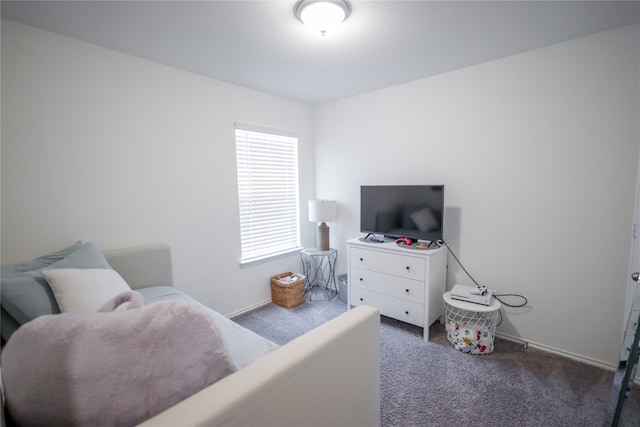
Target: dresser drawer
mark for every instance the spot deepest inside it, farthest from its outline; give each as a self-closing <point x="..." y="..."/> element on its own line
<point x="395" y="308"/>
<point x="399" y="287"/>
<point x="395" y="264"/>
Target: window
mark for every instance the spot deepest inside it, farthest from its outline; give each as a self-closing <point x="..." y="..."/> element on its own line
<point x="267" y="163"/>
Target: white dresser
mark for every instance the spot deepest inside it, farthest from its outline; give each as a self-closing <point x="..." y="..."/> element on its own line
<point x="405" y="284"/>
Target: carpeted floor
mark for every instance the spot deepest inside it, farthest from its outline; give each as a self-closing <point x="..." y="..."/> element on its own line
<point x="432" y="384"/>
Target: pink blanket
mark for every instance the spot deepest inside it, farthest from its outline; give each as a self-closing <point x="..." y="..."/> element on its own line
<point x="111" y="368"/>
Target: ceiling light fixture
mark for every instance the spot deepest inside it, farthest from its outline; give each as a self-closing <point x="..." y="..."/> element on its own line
<point x="322" y="15"/>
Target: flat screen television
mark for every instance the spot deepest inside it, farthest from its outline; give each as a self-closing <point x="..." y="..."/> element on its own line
<point x="414" y="211"/>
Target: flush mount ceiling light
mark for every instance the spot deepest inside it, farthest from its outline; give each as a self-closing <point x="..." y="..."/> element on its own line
<point x="322" y="15"/>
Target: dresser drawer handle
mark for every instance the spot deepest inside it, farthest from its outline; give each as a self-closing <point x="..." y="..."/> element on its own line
<point x="361" y="279"/>
<point x="408" y="268"/>
<point x="361" y="259"/>
<point x="361" y="299"/>
<point x="406" y="312"/>
<point x="406" y="290"/>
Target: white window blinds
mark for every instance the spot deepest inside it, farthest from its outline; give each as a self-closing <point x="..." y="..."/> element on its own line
<point x="267" y="163"/>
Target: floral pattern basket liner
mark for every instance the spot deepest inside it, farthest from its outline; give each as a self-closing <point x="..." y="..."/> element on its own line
<point x="474" y="338"/>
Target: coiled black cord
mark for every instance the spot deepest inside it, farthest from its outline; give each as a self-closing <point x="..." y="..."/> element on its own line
<point x="496" y="296"/>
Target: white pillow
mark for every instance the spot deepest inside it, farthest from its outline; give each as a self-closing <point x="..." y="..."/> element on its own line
<point x="84" y="290"/>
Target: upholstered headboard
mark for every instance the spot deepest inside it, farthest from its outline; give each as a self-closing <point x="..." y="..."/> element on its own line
<point x="143" y="266"/>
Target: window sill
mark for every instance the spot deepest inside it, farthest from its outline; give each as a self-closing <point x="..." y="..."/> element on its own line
<point x="269" y="258"/>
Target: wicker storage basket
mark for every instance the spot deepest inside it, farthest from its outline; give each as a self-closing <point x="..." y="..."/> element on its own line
<point x="287" y="295"/>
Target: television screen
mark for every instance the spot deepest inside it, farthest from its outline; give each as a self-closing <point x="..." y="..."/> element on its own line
<point x="414" y="211"/>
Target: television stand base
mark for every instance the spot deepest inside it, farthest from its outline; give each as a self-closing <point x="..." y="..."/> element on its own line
<point x="373" y="238"/>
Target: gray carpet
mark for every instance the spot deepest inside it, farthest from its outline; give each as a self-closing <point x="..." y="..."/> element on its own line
<point x="432" y="384"/>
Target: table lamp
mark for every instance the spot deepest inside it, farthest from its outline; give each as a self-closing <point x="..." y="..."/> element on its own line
<point x="322" y="211"/>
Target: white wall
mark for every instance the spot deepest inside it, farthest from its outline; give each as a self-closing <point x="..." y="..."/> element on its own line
<point x="108" y="148"/>
<point x="538" y="153"/>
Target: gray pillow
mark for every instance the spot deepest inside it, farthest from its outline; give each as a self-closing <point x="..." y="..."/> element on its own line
<point x="27" y="295"/>
<point x="40" y="262"/>
<point x="8" y="325"/>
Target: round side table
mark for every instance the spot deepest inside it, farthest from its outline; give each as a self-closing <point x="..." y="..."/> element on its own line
<point x="471" y="328"/>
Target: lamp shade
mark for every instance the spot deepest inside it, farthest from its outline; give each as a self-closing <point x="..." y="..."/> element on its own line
<point x="323" y="210"/>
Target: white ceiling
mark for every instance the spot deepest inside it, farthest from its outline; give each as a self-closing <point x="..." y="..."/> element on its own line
<point x="261" y="45"/>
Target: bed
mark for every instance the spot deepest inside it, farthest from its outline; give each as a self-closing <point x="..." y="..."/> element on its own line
<point x="329" y="376"/>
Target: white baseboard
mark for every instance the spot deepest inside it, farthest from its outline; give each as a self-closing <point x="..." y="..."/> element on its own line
<point x="248" y="309"/>
<point x="577" y="357"/>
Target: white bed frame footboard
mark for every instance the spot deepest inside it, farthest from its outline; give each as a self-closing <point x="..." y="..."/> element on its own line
<point x="328" y="377"/>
